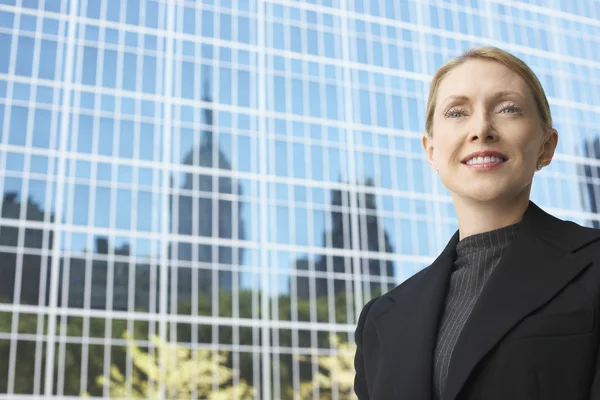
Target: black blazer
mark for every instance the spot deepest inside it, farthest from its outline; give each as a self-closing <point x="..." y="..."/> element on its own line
<point x="533" y="334"/>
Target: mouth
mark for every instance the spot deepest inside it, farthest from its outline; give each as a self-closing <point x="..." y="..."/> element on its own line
<point x="484" y="159"/>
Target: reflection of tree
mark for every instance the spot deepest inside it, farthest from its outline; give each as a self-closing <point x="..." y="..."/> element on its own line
<point x="180" y="371"/>
<point x="590" y="188"/>
<point x="71" y="350"/>
<point x="336" y="373"/>
<point x="369" y="228"/>
<point x="195" y="212"/>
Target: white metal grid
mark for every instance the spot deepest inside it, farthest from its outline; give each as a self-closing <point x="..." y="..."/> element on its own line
<point x="167" y="103"/>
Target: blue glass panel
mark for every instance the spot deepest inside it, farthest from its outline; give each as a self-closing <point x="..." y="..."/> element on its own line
<point x="125" y="174"/>
<point x="244" y="154"/>
<point x="278" y="36"/>
<point x="225" y="26"/>
<point x="53" y="6"/>
<point x="301" y="233"/>
<point x="90" y="60"/>
<point x="102" y="207"/>
<point x="109" y="70"/>
<point x="41" y="128"/>
<point x="283" y="225"/>
<point x="147" y="136"/>
<point x="144" y="209"/>
<point x="47" y="65"/>
<point x="126" y="144"/>
<point x="19" y="119"/>
<point x="28" y="23"/>
<point x="38" y="164"/>
<point x="297" y="97"/>
<point x="85" y="135"/>
<point x="299" y="161"/>
<point x="314" y="99"/>
<point x="281" y="158"/>
<point x="81" y="200"/>
<point x="335" y="171"/>
<point x="105" y="144"/>
<point x="368" y="168"/>
<point x="123" y="209"/>
<point x="364" y="107"/>
<point x="381" y="109"/>
<point x="225" y="85"/>
<point x="15" y="162"/>
<point x="149" y="74"/>
<point x="7" y="19"/>
<point x="243" y="87"/>
<point x="312" y="42"/>
<point x="21" y="91"/>
<point x="409" y="64"/>
<point x="318" y="227"/>
<point x="329" y="44"/>
<point x="385" y="169"/>
<point x="316" y="161"/>
<point x="207" y="23"/>
<point x="129" y="71"/>
<point x="188" y="79"/>
<point x="189" y="20"/>
<point x="5" y="44"/>
<point x="24" y="56"/>
<point x="151" y="14"/>
<point x="296" y="39"/>
<point x="244" y="31"/>
<point x="332" y="102"/>
<point x="104" y="172"/>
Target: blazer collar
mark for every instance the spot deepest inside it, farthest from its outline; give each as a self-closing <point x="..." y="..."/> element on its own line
<point x="407" y="322"/>
<point x="407" y="318"/>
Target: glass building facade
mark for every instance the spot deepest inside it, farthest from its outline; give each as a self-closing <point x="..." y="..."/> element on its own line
<point x="242" y="175"/>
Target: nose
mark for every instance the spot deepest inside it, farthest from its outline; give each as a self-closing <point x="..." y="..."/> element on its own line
<point x="482" y="129"/>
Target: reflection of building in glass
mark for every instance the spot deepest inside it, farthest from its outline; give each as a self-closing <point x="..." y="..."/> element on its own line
<point x="101" y="262"/>
<point x="99" y="110"/>
<point x="30" y="277"/>
<point x="590" y="188"/>
<point x="197" y="212"/>
<point x="369" y="228"/>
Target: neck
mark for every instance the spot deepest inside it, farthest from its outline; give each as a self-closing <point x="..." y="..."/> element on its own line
<point x="483" y="216"/>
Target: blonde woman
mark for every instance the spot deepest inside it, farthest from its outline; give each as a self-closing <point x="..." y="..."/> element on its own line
<point x="511" y="307"/>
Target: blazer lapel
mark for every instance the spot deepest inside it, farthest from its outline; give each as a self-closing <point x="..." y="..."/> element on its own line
<point x="408" y="326"/>
<point x="534" y="268"/>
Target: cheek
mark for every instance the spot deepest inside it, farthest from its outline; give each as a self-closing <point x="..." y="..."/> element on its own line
<point x="447" y="151"/>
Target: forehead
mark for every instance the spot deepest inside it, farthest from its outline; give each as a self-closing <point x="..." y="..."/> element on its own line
<point x="481" y="77"/>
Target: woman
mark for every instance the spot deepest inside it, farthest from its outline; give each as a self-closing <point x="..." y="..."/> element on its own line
<point x="510" y="310"/>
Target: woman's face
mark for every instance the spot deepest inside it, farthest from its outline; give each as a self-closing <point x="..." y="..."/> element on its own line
<point x="487" y="133"/>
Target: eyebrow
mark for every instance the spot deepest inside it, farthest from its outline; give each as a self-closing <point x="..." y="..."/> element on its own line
<point x="497" y="95"/>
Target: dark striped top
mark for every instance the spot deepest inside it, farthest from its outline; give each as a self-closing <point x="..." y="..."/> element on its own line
<point x="476" y="258"/>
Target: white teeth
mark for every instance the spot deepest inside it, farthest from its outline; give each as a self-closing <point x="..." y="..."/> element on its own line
<point x="484" y="160"/>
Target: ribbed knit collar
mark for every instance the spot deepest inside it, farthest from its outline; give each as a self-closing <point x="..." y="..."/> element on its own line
<point x="496" y="239"/>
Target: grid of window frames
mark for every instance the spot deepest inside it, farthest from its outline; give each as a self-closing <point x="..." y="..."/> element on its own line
<point x="237" y="177"/>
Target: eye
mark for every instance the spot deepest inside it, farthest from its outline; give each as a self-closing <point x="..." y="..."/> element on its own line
<point x="510" y="109"/>
<point x="454" y="113"/>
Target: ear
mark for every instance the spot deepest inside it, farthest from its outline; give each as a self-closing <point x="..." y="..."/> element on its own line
<point x="548" y="148"/>
<point x="427" y="142"/>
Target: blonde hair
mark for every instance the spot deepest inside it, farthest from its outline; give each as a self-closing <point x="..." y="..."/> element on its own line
<point x="497" y="55"/>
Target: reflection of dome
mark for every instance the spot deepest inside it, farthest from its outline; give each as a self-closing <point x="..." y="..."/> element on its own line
<point x="195" y="215"/>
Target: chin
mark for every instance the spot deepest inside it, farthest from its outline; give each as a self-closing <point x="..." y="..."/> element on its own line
<point x="492" y="193"/>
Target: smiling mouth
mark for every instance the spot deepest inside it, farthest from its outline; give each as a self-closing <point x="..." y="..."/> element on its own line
<point x="475" y="161"/>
